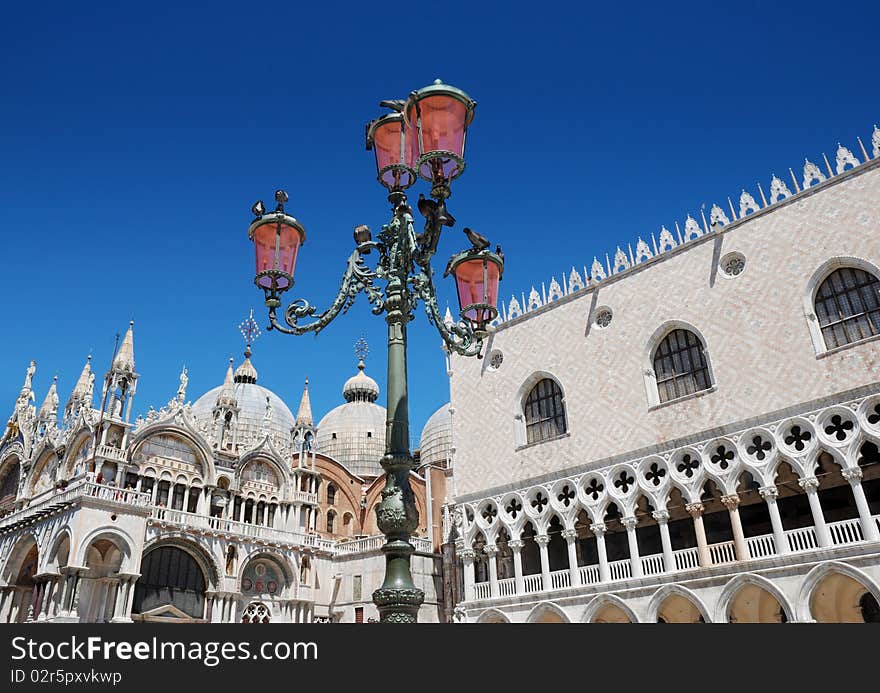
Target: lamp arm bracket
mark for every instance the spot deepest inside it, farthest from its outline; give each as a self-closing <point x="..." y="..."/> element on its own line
<point x="458" y="336"/>
<point x="357" y="277"/>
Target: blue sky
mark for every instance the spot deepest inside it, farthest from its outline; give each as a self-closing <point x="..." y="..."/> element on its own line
<point x="134" y="139"/>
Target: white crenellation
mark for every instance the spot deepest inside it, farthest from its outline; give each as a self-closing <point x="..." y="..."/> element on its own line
<point x="665" y="241"/>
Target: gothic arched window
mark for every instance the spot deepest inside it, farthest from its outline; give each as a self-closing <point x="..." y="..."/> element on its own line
<point x="848" y="306"/>
<point x="331" y="521"/>
<point x="680" y="366"/>
<point x="544" y="412"/>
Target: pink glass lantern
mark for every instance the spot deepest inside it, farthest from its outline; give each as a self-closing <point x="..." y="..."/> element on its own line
<point x="441" y="114"/>
<point x="277" y="238"/>
<point x="396" y="151"/>
<point x="477" y="274"/>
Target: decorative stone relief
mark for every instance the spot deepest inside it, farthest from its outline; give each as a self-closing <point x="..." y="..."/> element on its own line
<point x="732" y="264"/>
<point x="621" y="262"/>
<point x="534" y="300"/>
<point x="643" y="252"/>
<point x="603" y="317"/>
<point x="597" y="272"/>
<point x="844" y="157"/>
<point x="717" y="217"/>
<point x="747" y="204"/>
<point x="555" y="291"/>
<point x="667" y="242"/>
<point x="778" y="190"/>
<point x="691" y="229"/>
<point x="812" y="173"/>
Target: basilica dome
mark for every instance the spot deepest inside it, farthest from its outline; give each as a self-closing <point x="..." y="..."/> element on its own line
<point x="241" y="390"/>
<point x="354" y="433"/>
<point x="435" y="445"/>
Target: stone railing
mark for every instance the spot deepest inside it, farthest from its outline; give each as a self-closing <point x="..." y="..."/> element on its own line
<point x="305" y="497"/>
<point x="800" y="541"/>
<point x="109" y="452"/>
<point x="376" y="542"/>
<point x="77" y="491"/>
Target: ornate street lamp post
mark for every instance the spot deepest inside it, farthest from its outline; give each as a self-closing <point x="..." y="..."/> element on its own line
<point x="422" y="136"/>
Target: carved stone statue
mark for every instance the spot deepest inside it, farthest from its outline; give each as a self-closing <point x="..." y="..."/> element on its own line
<point x="181" y="389"/>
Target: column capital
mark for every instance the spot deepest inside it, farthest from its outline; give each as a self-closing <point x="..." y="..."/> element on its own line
<point x="629" y="522"/>
<point x="516" y="545"/>
<point x="599" y="529"/>
<point x="731" y="502"/>
<point x="542" y="540"/>
<point x="490" y="550"/>
<point x="695" y="509"/>
<point x="852" y="474"/>
<point x="661" y="515"/>
<point x="569" y="534"/>
<point x="467" y="555"/>
<point x="768" y="492"/>
<point x="809" y="483"/>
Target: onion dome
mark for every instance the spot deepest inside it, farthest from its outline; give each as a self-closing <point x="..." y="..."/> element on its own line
<point x="250" y="400"/>
<point x="435" y="446"/>
<point x="354" y="433"/>
<point x="246" y="373"/>
<point x="360" y="387"/>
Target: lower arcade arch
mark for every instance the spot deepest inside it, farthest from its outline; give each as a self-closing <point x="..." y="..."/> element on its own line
<point x="171" y="587"/>
<point x="752" y="600"/>
<point x="838" y="597"/>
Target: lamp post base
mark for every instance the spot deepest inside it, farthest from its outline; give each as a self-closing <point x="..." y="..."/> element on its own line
<point x="398" y="605"/>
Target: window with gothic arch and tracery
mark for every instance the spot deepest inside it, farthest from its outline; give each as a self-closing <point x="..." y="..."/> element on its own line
<point x="847" y="306"/>
<point x="544" y="412"/>
<point x="680" y="366"/>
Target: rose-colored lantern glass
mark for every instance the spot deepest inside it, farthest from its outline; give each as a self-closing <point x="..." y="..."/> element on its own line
<point x="442" y="115"/>
<point x="395" y="148"/>
<point x="476" y="278"/>
<point x="277" y="238"/>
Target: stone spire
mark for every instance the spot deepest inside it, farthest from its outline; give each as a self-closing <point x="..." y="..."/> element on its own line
<point x="124" y="360"/>
<point x="304" y="415"/>
<point x="226" y="398"/>
<point x="49" y="409"/>
<point x="83" y="391"/>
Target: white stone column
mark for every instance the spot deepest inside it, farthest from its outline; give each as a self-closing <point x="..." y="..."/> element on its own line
<point x="241" y="509"/>
<point x="731" y="502"/>
<point x="598" y="529"/>
<point x="662" y="517"/>
<point x="635" y="562"/>
<point x="120" y="475"/>
<point x="695" y="510"/>
<point x="570" y="536"/>
<point x="467" y="558"/>
<point x="810" y="484"/>
<point x="203" y="507"/>
<point x="542" y="540"/>
<point x="769" y="494"/>
<point x="869" y="527"/>
<point x="154" y="491"/>
<point x="516" y="546"/>
<point x="491" y="552"/>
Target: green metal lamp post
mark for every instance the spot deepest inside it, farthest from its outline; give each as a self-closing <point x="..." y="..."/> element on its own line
<point x="423" y="136"/>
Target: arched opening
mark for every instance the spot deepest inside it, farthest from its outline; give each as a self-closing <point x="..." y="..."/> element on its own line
<point x="847" y="306"/>
<point x="754" y="604"/>
<point x="869" y="462"/>
<point x="587" y="547"/>
<point x="682" y="534"/>
<point x="9" y="478"/>
<point x="677" y="608"/>
<point x="544" y="412"/>
<point x="99" y="588"/>
<point x="680" y="366"/>
<point x="481" y="560"/>
<point x="20" y="571"/>
<point x="616" y="541"/>
<point x="263" y="578"/>
<point x="716" y="518"/>
<point x="171" y="587"/>
<point x="610" y="613"/>
<point x="331" y="521"/>
<point x="547" y="615"/>
<point x="557" y="548"/>
<point x="331" y="494"/>
<point x="835" y="493"/>
<point x="530" y="553"/>
<point x="839" y="598"/>
<point x="504" y="557"/>
<point x="753" y="512"/>
<point x="647" y="530"/>
<point x="794" y="507"/>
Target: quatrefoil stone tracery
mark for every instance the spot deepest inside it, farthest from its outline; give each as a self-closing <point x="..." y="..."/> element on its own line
<point x="722" y="456"/>
<point x="839" y="427"/>
<point x="540" y="501"/>
<point x="623" y="481"/>
<point x="759" y="448"/>
<point x="655" y="474"/>
<point x="798" y="437"/>
<point x="513" y="508"/>
<point x="566" y="495"/>
<point x="688" y="465"/>
<point x="594" y="488"/>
